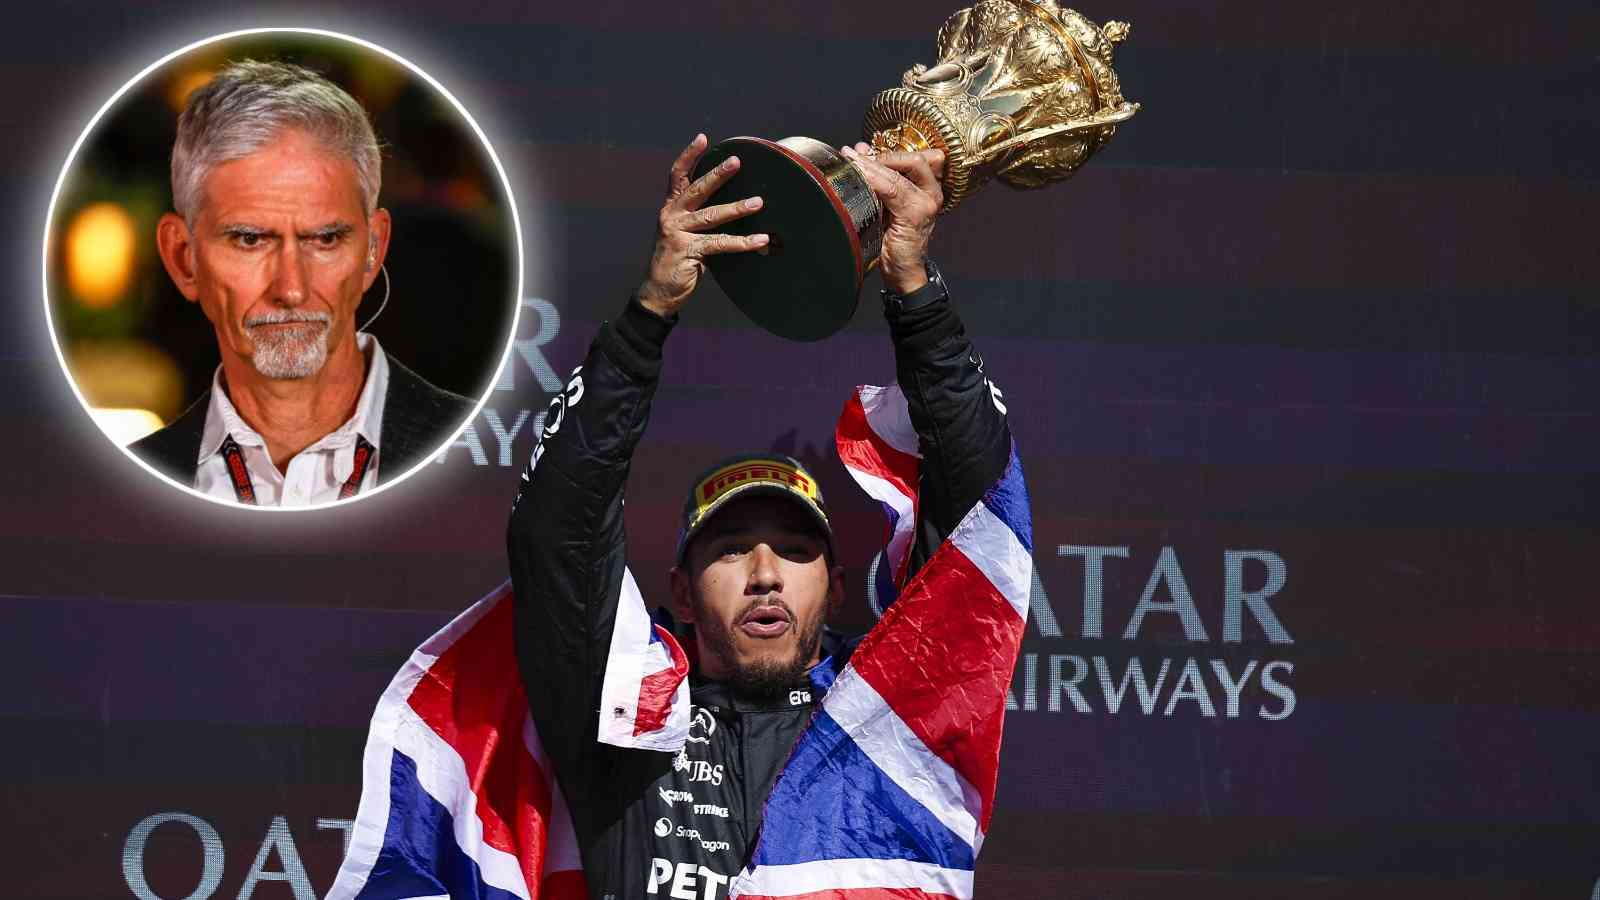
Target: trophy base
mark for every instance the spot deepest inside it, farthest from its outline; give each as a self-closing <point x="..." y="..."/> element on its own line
<point x="825" y="232"/>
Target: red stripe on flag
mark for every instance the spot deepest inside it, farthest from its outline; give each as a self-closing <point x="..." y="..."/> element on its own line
<point x="942" y="658"/>
<point x="656" y="690"/>
<point x="567" y="884"/>
<point x="861" y="448"/>
<point x="472" y="698"/>
<point x="855" y="894"/>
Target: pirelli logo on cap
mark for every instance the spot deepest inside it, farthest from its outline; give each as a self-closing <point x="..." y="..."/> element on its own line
<point x="719" y="483"/>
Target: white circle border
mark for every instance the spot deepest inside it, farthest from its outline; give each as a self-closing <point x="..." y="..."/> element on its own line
<point x="505" y="182"/>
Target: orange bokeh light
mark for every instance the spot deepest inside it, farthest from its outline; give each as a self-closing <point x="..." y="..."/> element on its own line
<point x="100" y="248"/>
<point x="179" y="88"/>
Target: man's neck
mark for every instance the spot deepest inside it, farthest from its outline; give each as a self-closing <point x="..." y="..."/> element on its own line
<point x="291" y="414"/>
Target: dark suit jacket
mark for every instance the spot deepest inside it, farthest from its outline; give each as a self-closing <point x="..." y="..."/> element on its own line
<point x="416" y="419"/>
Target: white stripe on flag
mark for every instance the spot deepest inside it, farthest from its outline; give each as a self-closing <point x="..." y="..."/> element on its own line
<point x="377" y="759"/>
<point x="372" y="815"/>
<point x="992" y="546"/>
<point x="883" y="490"/>
<point x="443" y="775"/>
<point x="844" y="874"/>
<point x="561" y="839"/>
<point x="889" y="417"/>
<point x="631" y="657"/>
<point x="896" y="750"/>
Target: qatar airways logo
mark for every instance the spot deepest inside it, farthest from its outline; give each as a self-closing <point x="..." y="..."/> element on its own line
<point x="276" y="856"/>
<point x="1216" y="678"/>
<point x="1203" y="637"/>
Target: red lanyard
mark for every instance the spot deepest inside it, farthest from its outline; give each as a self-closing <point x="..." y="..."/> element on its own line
<point x="245" y="490"/>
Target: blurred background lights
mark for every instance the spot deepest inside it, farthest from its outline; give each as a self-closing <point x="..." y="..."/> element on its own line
<point x="132" y="387"/>
<point x="126" y="425"/>
<point x="100" y="249"/>
<point x="185" y="83"/>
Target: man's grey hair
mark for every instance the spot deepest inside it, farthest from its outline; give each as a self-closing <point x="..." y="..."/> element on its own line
<point x="248" y="105"/>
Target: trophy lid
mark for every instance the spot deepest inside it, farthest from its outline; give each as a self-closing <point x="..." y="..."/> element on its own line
<point x="824" y="227"/>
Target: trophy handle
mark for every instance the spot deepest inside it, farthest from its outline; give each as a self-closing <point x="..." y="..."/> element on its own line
<point x="1099" y="120"/>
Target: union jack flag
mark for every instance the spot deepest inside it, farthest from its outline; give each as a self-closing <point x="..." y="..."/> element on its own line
<point x="889" y="790"/>
<point x="458" y="798"/>
<point x="887" y="793"/>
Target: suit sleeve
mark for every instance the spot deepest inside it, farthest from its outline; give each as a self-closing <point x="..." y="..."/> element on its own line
<point x="958" y="413"/>
<point x="565" y="540"/>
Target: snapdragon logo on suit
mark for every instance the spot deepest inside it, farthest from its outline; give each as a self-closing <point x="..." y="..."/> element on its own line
<point x="663" y="826"/>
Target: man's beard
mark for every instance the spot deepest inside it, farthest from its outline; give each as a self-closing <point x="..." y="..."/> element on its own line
<point x="763" y="678"/>
<point x="296" y="352"/>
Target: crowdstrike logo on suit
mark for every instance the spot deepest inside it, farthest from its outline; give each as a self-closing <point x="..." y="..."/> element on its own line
<point x="669" y="796"/>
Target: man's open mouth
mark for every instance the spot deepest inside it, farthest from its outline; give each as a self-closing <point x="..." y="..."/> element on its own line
<point x="765" y="622"/>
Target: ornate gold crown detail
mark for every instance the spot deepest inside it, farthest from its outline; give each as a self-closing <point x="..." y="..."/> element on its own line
<point x="1023" y="90"/>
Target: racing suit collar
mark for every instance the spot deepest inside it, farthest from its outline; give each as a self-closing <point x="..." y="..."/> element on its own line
<point x="720" y="698"/>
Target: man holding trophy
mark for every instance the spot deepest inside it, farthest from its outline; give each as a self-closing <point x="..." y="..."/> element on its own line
<point x="765" y="755"/>
<point x="756" y="574"/>
<point x="1023" y="93"/>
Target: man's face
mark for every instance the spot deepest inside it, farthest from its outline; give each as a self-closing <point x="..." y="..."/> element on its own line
<point x="758" y="586"/>
<point x="278" y="254"/>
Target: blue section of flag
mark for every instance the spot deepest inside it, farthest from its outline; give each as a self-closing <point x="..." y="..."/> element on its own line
<point x="420" y="856"/>
<point x="1008" y="500"/>
<point x="883" y="587"/>
<point x="855" y="811"/>
<point x="825" y="673"/>
<point x="891" y="514"/>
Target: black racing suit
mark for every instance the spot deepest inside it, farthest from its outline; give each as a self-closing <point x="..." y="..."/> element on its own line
<point x="654" y="824"/>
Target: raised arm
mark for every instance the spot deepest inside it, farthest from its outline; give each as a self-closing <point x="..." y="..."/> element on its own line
<point x="958" y="413"/>
<point x="565" y="540"/>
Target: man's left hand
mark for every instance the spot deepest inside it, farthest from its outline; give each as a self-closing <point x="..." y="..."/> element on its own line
<point x="907" y="186"/>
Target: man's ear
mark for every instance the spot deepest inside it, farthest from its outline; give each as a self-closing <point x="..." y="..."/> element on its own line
<point x="177" y="249"/>
<point x="682" y="608"/>
<point x="835" y="590"/>
<point x="377" y="246"/>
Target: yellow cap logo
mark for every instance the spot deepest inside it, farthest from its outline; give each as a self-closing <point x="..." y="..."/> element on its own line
<point x="721" y="482"/>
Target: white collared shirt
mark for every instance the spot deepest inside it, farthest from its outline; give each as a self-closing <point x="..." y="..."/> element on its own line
<point x="315" y="474"/>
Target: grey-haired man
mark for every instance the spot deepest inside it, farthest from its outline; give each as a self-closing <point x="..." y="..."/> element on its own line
<point x="277" y="235"/>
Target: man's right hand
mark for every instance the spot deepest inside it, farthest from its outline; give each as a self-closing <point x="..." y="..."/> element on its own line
<point x="681" y="244"/>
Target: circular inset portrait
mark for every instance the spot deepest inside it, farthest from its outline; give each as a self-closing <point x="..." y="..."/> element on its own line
<point x="282" y="268"/>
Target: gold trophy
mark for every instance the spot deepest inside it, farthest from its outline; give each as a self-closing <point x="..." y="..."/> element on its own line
<point x="1023" y="91"/>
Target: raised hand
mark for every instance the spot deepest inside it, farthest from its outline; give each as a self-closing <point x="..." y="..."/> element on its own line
<point x="682" y="243"/>
<point x="907" y="185"/>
